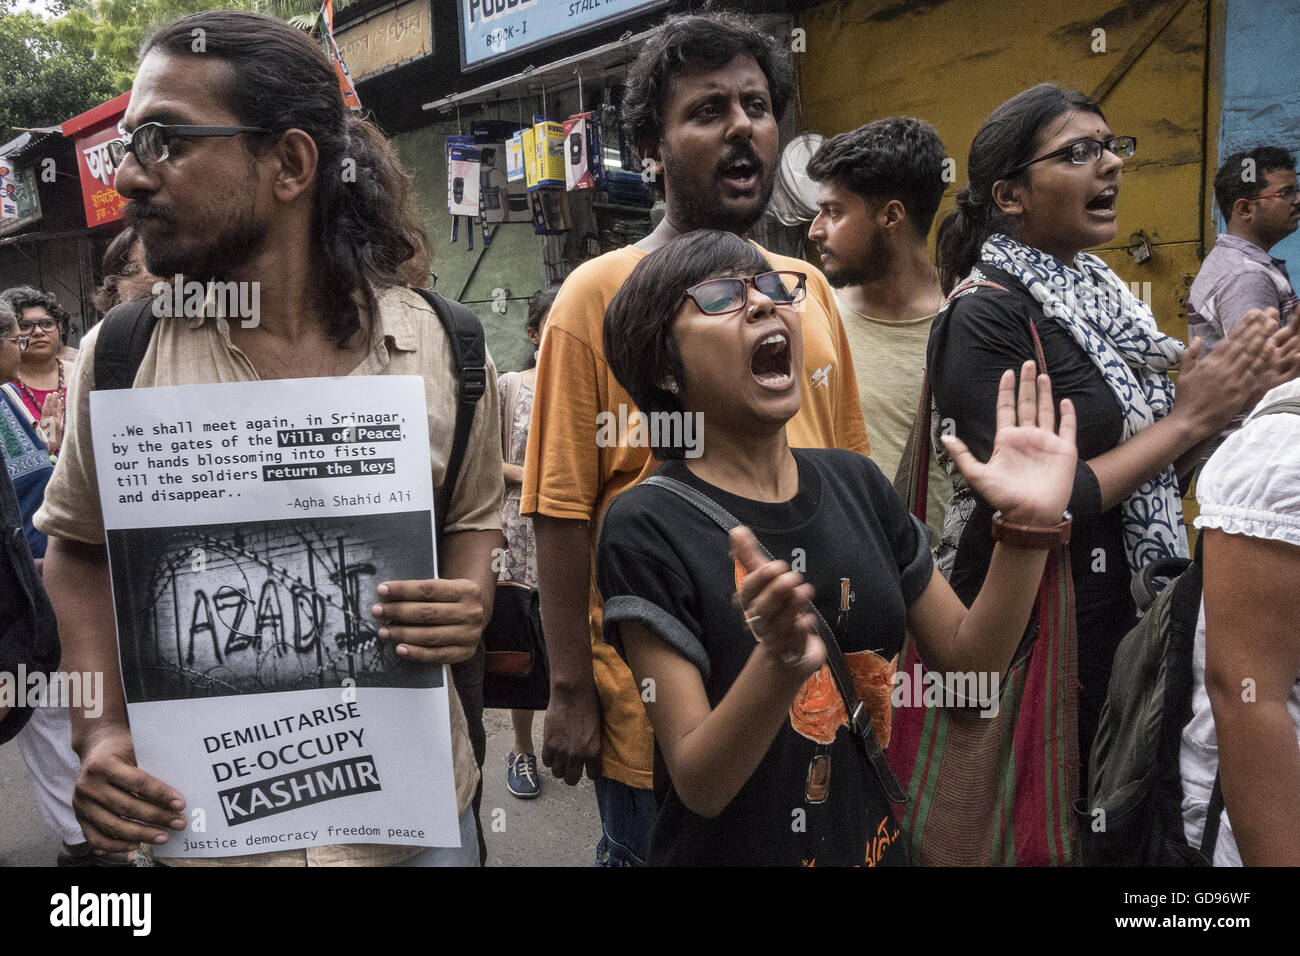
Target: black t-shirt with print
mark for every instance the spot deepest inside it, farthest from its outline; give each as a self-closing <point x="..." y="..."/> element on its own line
<point x="666" y="565"/>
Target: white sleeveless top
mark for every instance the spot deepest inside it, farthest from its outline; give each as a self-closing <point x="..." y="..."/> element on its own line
<point x="1251" y="486"/>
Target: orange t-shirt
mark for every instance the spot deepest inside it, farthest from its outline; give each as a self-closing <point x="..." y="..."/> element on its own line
<point x="566" y="475"/>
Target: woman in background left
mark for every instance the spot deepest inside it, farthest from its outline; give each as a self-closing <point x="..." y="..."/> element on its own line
<point x="521" y="548"/>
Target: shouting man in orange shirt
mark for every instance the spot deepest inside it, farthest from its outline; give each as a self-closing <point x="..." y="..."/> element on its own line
<point x="703" y="101"/>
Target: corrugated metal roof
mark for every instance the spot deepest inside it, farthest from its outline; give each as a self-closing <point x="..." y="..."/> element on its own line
<point x="29" y="144"/>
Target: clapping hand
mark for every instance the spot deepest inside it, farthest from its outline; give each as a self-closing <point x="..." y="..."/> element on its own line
<point x="1283" y="354"/>
<point x="1256" y="356"/>
<point x="51" y="423"/>
<point x="1030" y="474"/>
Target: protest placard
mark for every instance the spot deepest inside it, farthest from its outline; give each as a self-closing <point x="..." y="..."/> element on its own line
<point x="248" y="527"/>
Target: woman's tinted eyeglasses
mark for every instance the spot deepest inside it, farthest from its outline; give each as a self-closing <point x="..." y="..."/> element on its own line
<point x="21" y="341"/>
<point x="149" y="142"/>
<point x="727" y="295"/>
<point x="1083" y="151"/>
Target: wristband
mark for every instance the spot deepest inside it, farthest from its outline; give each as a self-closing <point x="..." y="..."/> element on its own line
<point x="1037" y="538"/>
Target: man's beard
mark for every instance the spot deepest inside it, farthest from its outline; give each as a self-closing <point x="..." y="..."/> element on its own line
<point x="705" y="210"/>
<point x="238" y="243"/>
<point x="874" y="264"/>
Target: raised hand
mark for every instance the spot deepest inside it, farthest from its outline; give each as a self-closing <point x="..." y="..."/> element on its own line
<point x="775" y="602"/>
<point x="1283" y="353"/>
<point x="1030" y="474"/>
<point x="1216" y="388"/>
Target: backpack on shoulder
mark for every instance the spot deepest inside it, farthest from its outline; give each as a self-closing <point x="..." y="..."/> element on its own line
<point x="1133" y="815"/>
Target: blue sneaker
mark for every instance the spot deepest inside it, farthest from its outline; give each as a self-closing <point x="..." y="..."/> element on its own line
<point x="521" y="776"/>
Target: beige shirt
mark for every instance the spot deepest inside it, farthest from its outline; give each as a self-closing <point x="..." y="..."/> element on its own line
<point x="407" y="339"/>
<point x="889" y="358"/>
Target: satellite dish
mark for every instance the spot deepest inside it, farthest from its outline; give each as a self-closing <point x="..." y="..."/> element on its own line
<point x="794" y="196"/>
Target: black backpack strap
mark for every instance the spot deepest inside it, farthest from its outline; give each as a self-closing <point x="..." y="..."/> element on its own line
<point x="124" y="336"/>
<point x="469" y="356"/>
<point x="1142" y="586"/>
<point x="859" y="720"/>
<point x="1213" y="817"/>
<point x="1185" y="605"/>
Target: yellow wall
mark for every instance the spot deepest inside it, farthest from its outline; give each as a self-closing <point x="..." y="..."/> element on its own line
<point x="952" y="63"/>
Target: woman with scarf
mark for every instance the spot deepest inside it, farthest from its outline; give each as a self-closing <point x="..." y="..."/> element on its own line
<point x="1045" y="175"/>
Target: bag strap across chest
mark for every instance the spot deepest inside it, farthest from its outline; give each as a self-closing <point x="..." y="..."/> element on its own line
<point x="859" y="720"/>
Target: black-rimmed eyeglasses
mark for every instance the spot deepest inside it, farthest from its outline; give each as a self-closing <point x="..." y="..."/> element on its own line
<point x="1082" y="151"/>
<point x="149" y="142"/>
<point x="726" y="295"/>
<point x="45" y="325"/>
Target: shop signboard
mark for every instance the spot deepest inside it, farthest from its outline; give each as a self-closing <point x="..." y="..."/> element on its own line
<point x="386" y="40"/>
<point x="92" y="131"/>
<point x="492" y="29"/>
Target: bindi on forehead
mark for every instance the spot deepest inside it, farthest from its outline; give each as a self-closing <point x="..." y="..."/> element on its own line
<point x="1075" y="125"/>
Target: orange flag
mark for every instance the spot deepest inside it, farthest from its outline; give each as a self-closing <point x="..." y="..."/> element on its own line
<point x="350" y="98"/>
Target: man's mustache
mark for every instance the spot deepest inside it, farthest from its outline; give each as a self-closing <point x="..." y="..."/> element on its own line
<point x="745" y="153"/>
<point x="137" y="212"/>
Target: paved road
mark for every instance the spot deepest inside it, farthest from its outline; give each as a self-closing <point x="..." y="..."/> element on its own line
<point x="559" y="828"/>
<point x="25" y="840"/>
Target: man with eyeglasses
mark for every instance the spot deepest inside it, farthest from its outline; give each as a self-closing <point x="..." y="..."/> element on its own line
<point x="1257" y="195"/>
<point x="236" y="166"/>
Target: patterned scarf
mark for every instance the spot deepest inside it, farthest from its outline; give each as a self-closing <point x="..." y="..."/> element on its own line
<point x="1118" y="332"/>
<point x="24" y="454"/>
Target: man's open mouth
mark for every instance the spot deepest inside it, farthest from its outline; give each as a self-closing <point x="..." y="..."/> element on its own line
<point x="1104" y="201"/>
<point x="742" y="174"/>
<point x="770" y="362"/>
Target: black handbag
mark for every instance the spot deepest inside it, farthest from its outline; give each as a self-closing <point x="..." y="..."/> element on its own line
<point x="517" y="675"/>
<point x="516" y="672"/>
